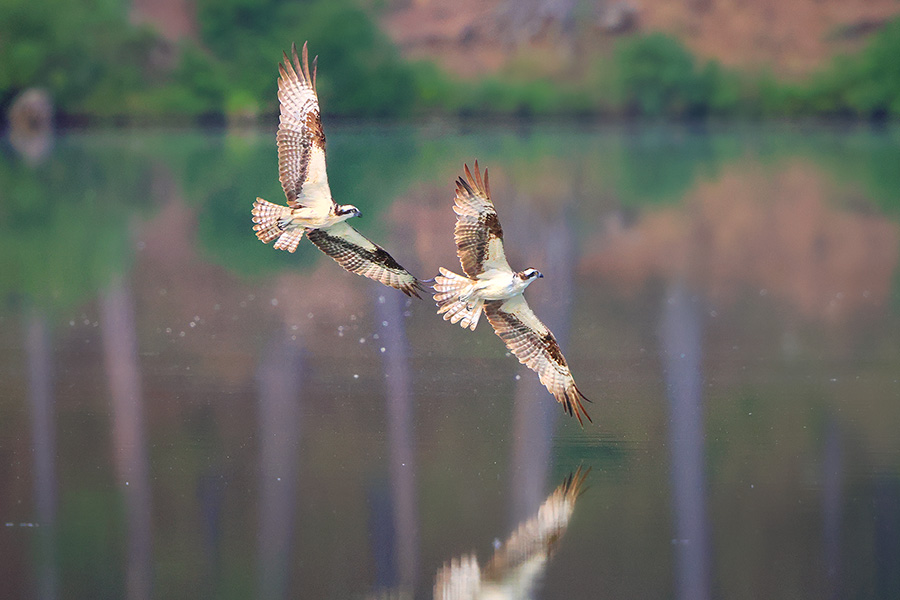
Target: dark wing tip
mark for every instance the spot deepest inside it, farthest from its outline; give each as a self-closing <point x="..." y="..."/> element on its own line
<point x="463" y="186"/>
<point x="296" y="66"/>
<point x="583" y="397"/>
<point x="476" y="183"/>
<point x="573" y="406"/>
<point x="285" y="69"/>
<point x="413" y="289"/>
<point x="573" y="483"/>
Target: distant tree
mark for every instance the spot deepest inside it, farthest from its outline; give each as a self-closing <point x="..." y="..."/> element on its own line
<point x="657" y="75"/>
<point x="85" y="53"/>
<point x="361" y="74"/>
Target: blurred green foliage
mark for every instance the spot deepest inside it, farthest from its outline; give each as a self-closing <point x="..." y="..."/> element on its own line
<point x="657" y="74"/>
<point x="80" y="51"/>
<point x="66" y="223"/>
<point x="97" y="65"/>
<point x="865" y="85"/>
<point x="364" y="76"/>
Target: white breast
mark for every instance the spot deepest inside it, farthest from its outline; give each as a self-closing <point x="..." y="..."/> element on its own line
<point x="499" y="285"/>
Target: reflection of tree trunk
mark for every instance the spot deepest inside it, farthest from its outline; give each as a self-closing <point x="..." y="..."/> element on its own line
<point x="280" y="384"/>
<point x="831" y="509"/>
<point x="389" y="307"/>
<point x="120" y="350"/>
<point x="43" y="434"/>
<point x="680" y="339"/>
<point x="535" y="409"/>
<point x="886" y="509"/>
<point x="210" y="498"/>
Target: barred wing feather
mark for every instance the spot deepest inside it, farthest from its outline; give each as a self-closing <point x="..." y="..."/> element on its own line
<point x="536" y="348"/>
<point x="356" y="253"/>
<point x="301" y="141"/>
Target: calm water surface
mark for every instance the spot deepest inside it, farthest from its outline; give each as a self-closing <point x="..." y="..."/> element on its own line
<point x="187" y="413"/>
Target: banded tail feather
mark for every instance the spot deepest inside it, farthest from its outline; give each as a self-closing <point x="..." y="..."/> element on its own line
<point x="271" y="222"/>
<point x="450" y="287"/>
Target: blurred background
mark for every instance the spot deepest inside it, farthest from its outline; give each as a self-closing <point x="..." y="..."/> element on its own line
<point x="711" y="189"/>
<point x="213" y="61"/>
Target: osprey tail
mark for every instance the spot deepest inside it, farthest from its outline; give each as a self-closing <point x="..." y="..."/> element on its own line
<point x="271" y="221"/>
<point x="449" y="287"/>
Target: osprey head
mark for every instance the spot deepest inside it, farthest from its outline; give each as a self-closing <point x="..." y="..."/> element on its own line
<point x="347" y="210"/>
<point x="529" y="274"/>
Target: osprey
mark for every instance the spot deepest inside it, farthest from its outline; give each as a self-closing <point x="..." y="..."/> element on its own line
<point x="311" y="209"/>
<point x="494" y="288"/>
<point x="521" y="560"/>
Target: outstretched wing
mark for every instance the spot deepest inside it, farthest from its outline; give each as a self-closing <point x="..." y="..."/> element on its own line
<point x="536" y="348"/>
<point x="519" y="561"/>
<point x="301" y="141"/>
<point x="353" y="251"/>
<point x="479" y="237"/>
<point x="536" y="539"/>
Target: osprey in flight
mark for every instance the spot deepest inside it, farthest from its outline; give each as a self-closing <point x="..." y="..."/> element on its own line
<point x="311" y="209"/>
<point x="494" y="288"/>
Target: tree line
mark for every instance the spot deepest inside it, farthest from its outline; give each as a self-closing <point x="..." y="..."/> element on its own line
<point x="99" y="67"/>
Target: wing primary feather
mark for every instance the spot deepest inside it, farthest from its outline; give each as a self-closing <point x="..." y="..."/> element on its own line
<point x="535" y="347"/>
<point x="305" y="62"/>
<point x="357" y="254"/>
<point x="465" y="185"/>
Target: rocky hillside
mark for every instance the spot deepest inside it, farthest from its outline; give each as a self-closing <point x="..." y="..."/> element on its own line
<point x="474" y="37"/>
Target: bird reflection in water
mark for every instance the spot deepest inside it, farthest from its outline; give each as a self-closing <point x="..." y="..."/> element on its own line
<point x="518" y="562"/>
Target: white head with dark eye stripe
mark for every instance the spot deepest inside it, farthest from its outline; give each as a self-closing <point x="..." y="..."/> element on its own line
<point x="529" y="275"/>
<point x="347" y="211"/>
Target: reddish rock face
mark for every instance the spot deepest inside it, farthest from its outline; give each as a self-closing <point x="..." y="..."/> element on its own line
<point x="173" y="19"/>
<point x="475" y="37"/>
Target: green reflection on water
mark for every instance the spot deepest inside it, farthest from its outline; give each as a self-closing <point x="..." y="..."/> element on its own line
<point x="67" y="221"/>
<point x="777" y="378"/>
